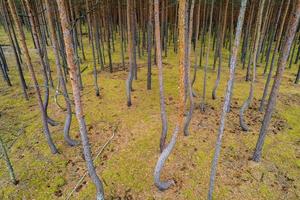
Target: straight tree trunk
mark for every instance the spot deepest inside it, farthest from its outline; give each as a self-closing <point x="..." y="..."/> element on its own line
<point x="77" y="99"/>
<point x="121" y="32"/>
<point x="220" y="51"/>
<point x="196" y="42"/>
<point x="160" y="78"/>
<point x="149" y="43"/>
<point x="189" y="87"/>
<point x="233" y="60"/>
<point x="202" y="105"/>
<point x="298" y="76"/>
<point x="130" y="51"/>
<point x="8" y="163"/>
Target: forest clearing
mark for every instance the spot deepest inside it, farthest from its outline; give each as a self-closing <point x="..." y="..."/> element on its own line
<point x="154" y="99"/>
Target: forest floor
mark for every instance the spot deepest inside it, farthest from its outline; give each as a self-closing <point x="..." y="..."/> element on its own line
<point x="127" y="163"/>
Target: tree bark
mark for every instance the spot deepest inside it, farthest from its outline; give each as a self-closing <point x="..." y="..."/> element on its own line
<point x="77" y="99"/>
<point x="227" y="97"/>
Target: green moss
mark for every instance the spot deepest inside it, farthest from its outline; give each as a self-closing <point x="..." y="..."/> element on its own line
<point x="131" y="165"/>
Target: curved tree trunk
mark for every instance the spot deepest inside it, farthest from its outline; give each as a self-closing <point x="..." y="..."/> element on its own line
<point x="61" y="80"/>
<point x="163" y="185"/>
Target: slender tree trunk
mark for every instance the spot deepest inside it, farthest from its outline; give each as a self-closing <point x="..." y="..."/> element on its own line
<point x="160" y="78"/>
<point x="93" y="40"/>
<point x="220" y="52"/>
<point x="77" y="99"/>
<point x="4" y="68"/>
<point x="291" y="30"/>
<point x="130" y="51"/>
<point x="8" y="163"/>
<point x="298" y="76"/>
<point x="202" y="105"/>
<point x="233" y="60"/>
<point x="189" y="87"/>
<point x="196" y="42"/>
<point x="121" y="33"/>
<point x="149" y="37"/>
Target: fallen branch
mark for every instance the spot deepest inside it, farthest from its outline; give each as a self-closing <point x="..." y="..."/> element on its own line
<point x="100" y="150"/>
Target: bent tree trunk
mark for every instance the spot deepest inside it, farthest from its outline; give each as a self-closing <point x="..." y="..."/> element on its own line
<point x="292" y="26"/>
<point x="60" y="76"/>
<point x="165" y="152"/>
<point x="227" y="98"/>
<point x="163" y="185"/>
<point x="21" y="36"/>
<point x="77" y="99"/>
<point x="36" y="34"/>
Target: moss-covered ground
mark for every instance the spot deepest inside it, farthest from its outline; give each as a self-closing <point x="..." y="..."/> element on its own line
<point x="126" y="165"/>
